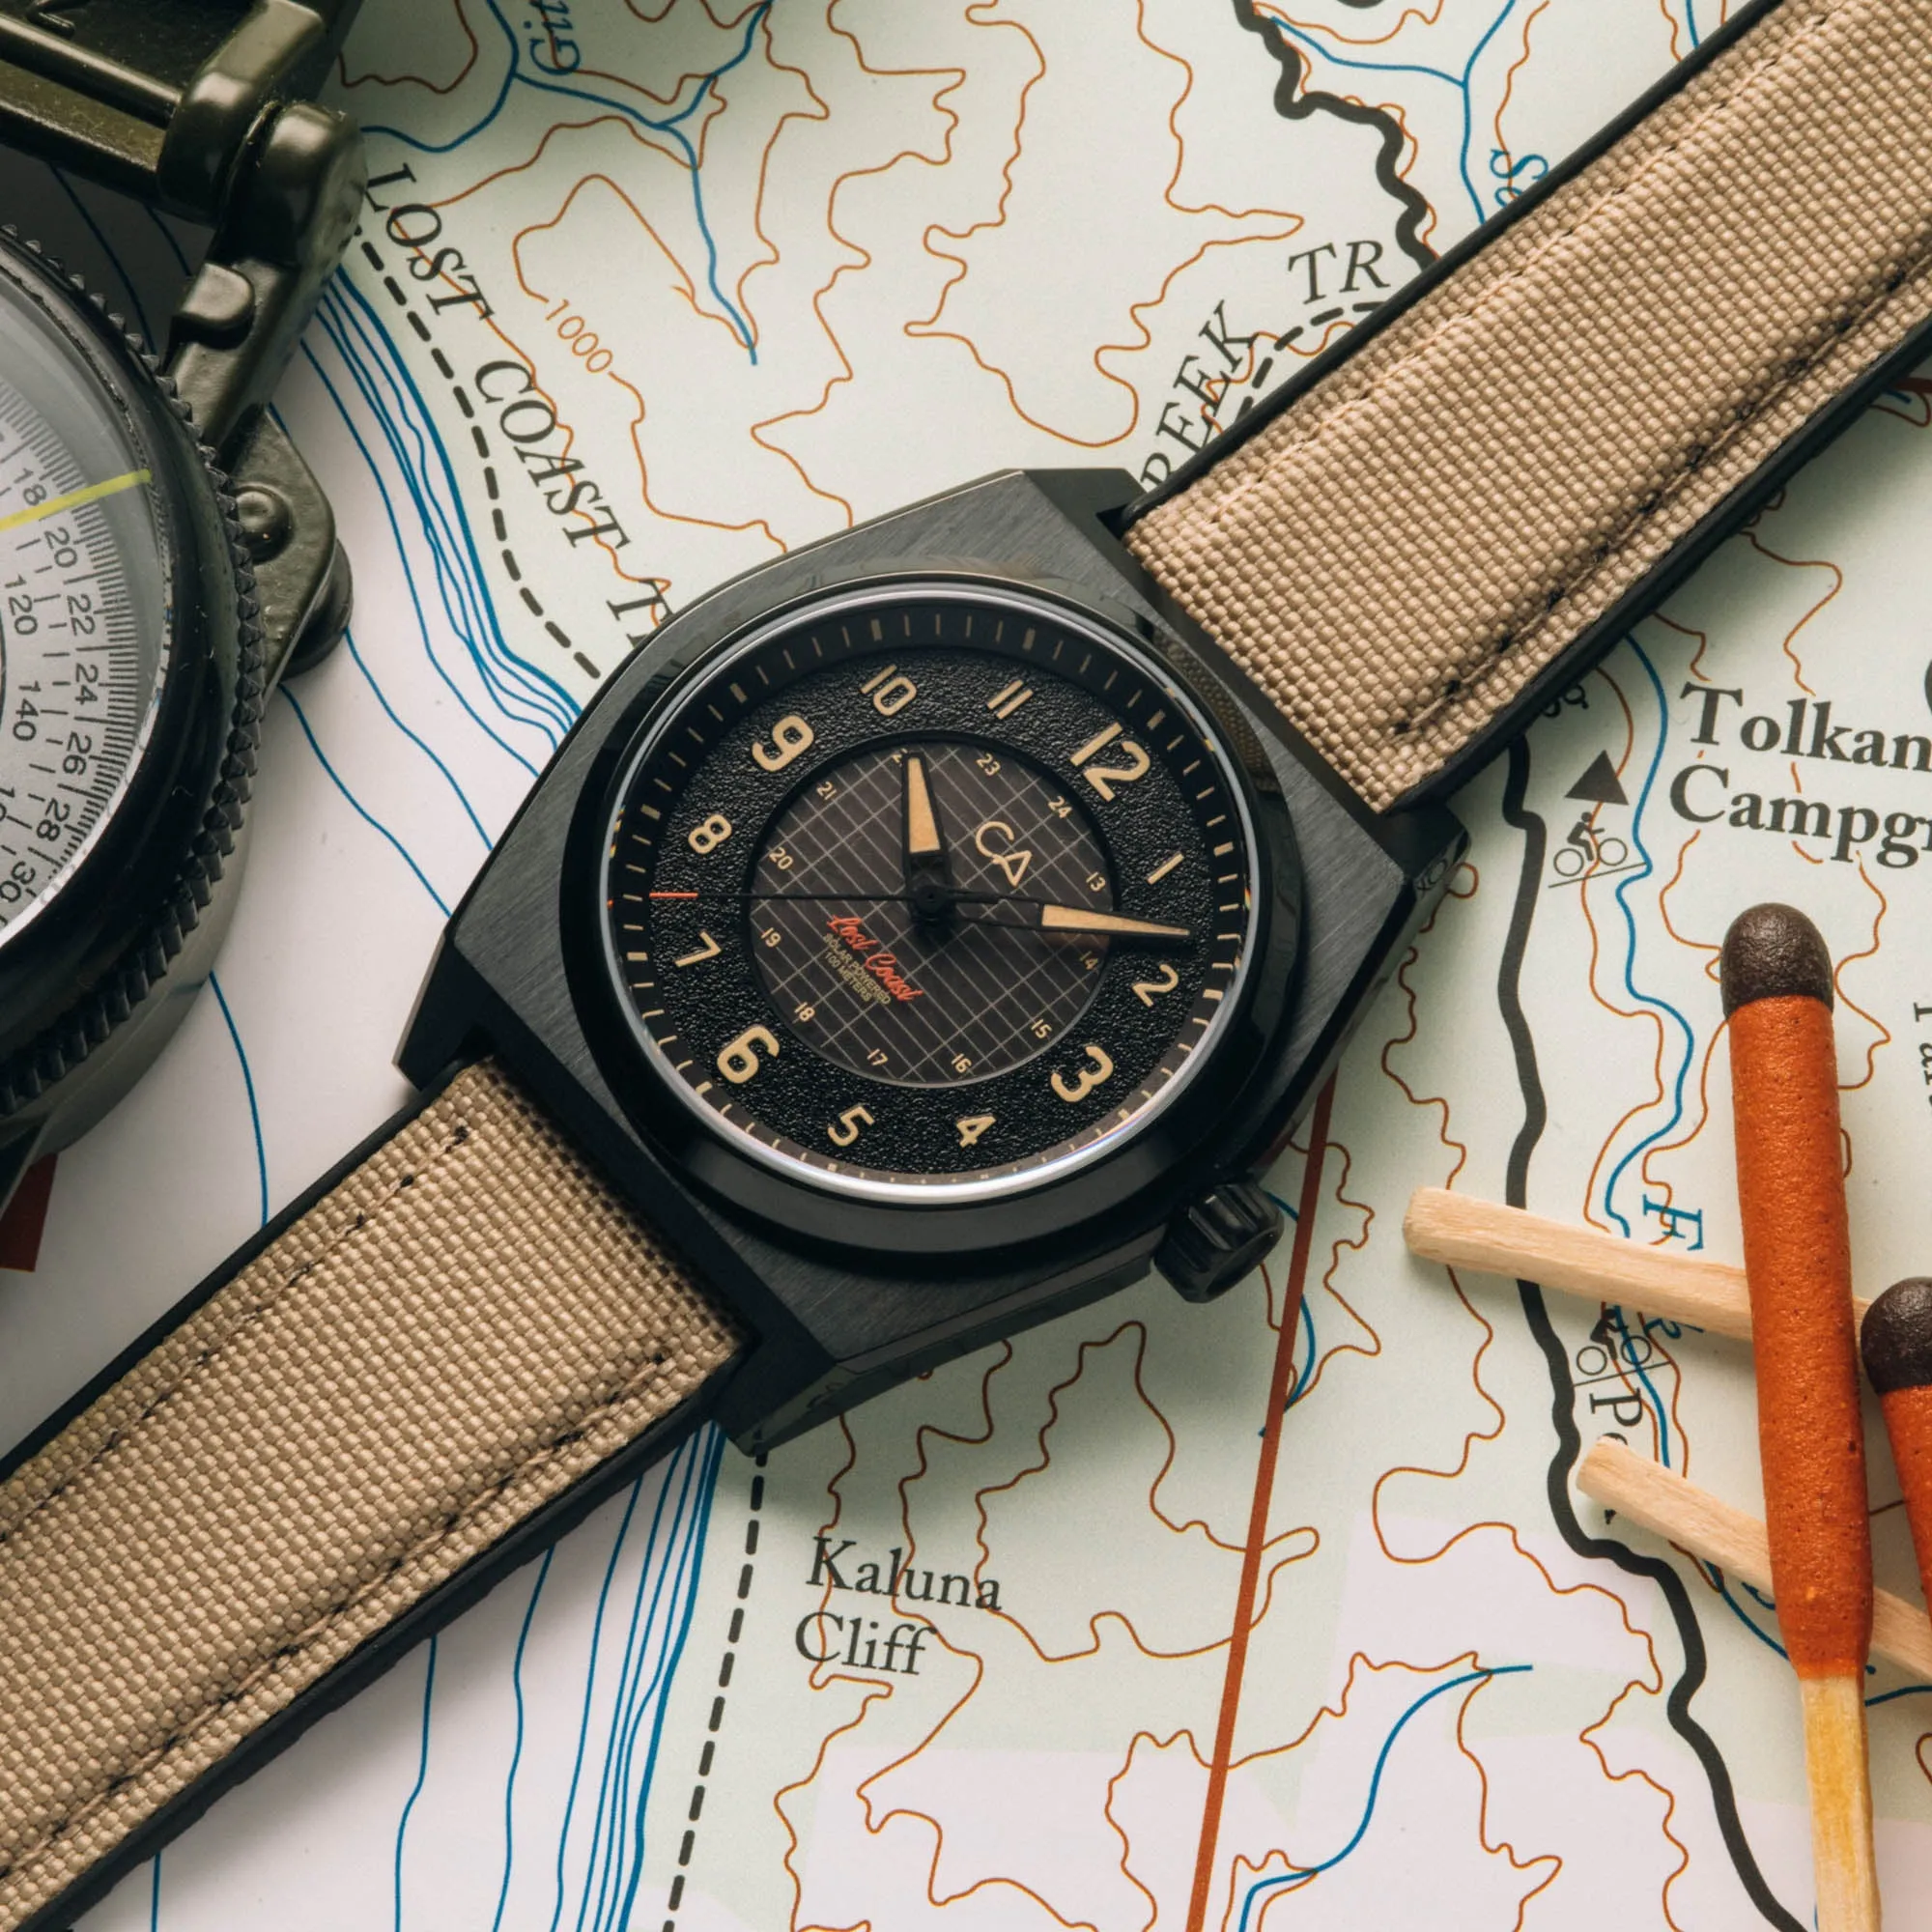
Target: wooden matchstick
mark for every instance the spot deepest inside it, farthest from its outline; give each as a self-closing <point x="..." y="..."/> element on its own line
<point x="1714" y="1532"/>
<point x="1897" y="1344"/>
<point x="1777" y="980"/>
<point x="1463" y="1231"/>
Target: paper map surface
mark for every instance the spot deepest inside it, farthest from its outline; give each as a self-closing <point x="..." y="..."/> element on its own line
<point x="1075" y="1632"/>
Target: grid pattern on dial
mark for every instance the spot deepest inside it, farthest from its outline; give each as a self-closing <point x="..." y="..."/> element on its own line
<point x="983" y="988"/>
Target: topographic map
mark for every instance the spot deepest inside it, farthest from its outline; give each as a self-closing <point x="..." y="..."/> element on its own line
<point x="1087" y="1630"/>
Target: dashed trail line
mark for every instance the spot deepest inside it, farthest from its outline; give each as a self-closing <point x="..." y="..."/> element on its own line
<point x="716" y="1721"/>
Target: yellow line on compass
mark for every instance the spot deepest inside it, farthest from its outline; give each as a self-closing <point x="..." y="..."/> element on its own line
<point x="73" y="499"/>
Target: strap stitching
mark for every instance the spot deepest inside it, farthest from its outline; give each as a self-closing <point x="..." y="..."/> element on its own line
<point x="1487" y="297"/>
<point x="205" y="1358"/>
<point x="1467" y="683"/>
<point x="313" y="1634"/>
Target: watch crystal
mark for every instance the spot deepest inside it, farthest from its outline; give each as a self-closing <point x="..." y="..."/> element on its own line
<point x="929" y="890"/>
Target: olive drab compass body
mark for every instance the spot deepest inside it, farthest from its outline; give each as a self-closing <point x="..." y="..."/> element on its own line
<point x="942" y="926"/>
<point x="165" y="554"/>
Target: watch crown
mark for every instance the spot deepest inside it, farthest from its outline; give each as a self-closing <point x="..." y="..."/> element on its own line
<point x="1216" y="1238"/>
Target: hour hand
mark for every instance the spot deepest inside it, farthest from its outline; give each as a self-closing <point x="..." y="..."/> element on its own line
<point x="929" y="877"/>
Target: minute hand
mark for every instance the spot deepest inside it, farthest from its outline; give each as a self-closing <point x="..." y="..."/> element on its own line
<point x="1102" y="925"/>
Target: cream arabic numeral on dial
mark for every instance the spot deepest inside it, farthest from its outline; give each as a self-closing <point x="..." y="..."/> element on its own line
<point x="791" y="738"/>
<point x="891" y="690"/>
<point x="1104" y="778"/>
<point x="1099" y="1068"/>
<point x="971" y="1128"/>
<point x="845" y="1131"/>
<point x="739" y="1060"/>
<point x="708" y="833"/>
<point x="707" y="948"/>
<point x="1147" y="991"/>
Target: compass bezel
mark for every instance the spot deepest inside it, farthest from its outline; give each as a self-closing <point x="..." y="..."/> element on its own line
<point x="143" y="897"/>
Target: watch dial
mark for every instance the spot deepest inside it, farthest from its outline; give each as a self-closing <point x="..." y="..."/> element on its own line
<point x="929" y="890"/>
<point x="83" y="607"/>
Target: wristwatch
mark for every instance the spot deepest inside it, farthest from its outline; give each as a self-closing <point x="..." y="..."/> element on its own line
<point x="165" y="554"/>
<point x="936" y="928"/>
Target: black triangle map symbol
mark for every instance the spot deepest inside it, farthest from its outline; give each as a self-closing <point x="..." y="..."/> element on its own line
<point x="1598" y="783"/>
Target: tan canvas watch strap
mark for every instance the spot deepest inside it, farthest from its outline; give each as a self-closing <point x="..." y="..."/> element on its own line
<point x="1498" y="473"/>
<point x="464" y="1326"/>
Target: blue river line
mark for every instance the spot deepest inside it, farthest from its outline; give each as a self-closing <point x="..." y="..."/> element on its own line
<point x="1642" y="1374"/>
<point x="1656" y="1002"/>
<point x="422" y="1777"/>
<point x="1300" y="1877"/>
<point x="254" y="1112"/>
<point x="1721" y="1584"/>
<point x="421" y="745"/>
<point x="618" y="1843"/>
<point x="1306" y="1372"/>
<point x="356" y="806"/>
<point x="1645" y="870"/>
<point x="1459" y="82"/>
<point x="635" y="1642"/>
<point x="524" y="694"/>
<point x="517" y="1752"/>
<point x="517" y="75"/>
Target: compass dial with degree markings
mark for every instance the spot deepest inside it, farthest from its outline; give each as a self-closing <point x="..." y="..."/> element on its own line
<point x="84" y="598"/>
<point x="929" y="892"/>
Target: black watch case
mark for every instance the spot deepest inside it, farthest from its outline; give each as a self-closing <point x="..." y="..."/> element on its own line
<point x="846" y="1297"/>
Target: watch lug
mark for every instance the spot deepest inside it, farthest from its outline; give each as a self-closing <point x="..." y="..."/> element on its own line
<point x="1218" y="1237"/>
<point x="1089" y="496"/>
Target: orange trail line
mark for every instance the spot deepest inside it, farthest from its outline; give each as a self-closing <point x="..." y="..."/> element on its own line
<point x="1257" y="1512"/>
